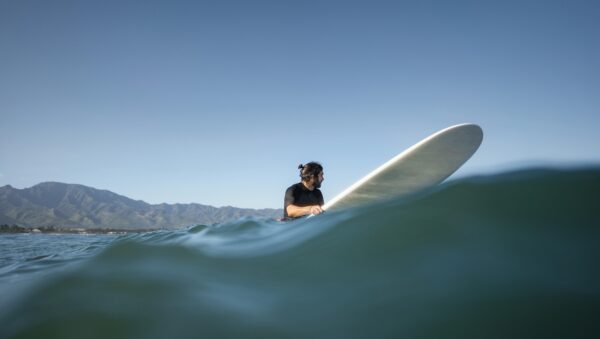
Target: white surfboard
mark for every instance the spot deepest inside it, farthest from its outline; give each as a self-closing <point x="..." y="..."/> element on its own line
<point x="422" y="166"/>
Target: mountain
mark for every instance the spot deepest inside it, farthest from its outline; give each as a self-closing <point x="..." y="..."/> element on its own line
<point x="77" y="206"/>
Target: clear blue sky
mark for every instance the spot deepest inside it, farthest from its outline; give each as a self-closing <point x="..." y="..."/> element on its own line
<point x="217" y="102"/>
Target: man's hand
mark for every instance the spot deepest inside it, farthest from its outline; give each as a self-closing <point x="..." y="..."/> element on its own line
<point x="316" y="209"/>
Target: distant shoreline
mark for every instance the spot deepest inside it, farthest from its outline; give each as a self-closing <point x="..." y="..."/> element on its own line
<point x="69" y="207"/>
<point x="16" y="229"/>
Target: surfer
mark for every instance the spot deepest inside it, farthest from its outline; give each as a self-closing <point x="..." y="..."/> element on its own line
<point x="305" y="198"/>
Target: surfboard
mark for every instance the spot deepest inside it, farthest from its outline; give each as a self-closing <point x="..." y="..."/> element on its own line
<point x="426" y="164"/>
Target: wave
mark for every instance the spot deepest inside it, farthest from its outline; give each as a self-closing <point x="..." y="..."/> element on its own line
<point x="509" y="255"/>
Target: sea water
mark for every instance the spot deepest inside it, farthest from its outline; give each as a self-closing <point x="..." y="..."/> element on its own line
<point x="510" y="255"/>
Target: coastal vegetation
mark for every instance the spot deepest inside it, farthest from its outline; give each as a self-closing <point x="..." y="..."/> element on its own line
<point x="12" y="229"/>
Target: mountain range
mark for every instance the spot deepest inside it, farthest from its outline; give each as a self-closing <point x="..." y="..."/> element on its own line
<point x="77" y="206"/>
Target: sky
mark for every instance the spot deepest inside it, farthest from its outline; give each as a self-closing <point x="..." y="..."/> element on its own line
<point x="217" y="102"/>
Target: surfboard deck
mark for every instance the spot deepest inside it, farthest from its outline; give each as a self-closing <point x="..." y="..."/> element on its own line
<point x="427" y="163"/>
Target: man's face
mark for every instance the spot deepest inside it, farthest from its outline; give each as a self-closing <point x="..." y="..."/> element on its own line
<point x="318" y="180"/>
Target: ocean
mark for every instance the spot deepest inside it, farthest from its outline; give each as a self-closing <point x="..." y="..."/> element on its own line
<point x="512" y="255"/>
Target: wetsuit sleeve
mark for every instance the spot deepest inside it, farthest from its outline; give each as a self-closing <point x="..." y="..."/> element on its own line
<point x="289" y="197"/>
<point x="321" y="200"/>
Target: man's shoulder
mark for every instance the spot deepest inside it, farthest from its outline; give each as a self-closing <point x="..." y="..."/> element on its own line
<point x="293" y="187"/>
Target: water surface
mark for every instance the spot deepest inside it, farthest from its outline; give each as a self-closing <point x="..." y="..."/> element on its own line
<point x="510" y="255"/>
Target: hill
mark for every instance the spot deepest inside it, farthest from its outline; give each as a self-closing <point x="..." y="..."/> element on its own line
<point x="77" y="206"/>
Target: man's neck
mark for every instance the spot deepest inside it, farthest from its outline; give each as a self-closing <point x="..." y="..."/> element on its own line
<point x="308" y="186"/>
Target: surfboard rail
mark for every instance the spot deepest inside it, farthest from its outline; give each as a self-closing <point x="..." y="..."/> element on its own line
<point x="425" y="164"/>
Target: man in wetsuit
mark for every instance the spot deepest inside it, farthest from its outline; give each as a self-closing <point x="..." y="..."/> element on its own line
<point x="305" y="198"/>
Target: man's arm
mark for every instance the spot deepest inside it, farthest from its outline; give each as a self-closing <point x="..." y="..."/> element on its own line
<point x="294" y="211"/>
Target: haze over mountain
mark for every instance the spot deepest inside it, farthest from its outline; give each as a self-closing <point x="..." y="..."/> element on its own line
<point x="77" y="206"/>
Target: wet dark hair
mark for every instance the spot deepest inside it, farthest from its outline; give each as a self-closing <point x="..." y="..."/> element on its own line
<point x="312" y="169"/>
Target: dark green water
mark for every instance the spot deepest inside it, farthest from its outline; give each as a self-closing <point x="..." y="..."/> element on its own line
<point x="511" y="255"/>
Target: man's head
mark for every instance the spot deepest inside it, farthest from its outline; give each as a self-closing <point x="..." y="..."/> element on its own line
<point x="312" y="174"/>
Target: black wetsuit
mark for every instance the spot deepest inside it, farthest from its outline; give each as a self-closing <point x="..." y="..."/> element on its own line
<point x="301" y="196"/>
